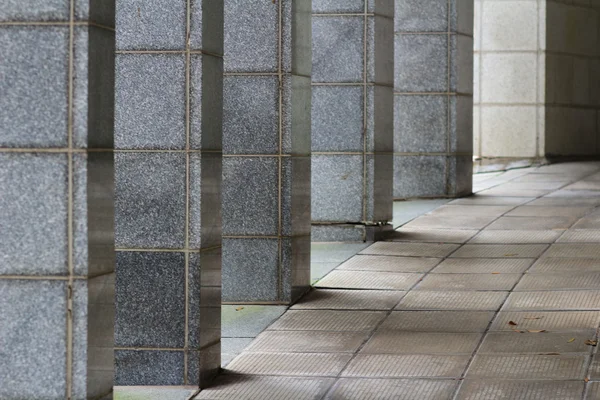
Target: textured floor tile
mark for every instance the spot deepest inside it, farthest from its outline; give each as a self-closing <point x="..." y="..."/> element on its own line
<point x="397" y="389"/>
<point x="349" y="300"/>
<point x="328" y="320"/>
<point x="405" y="366"/>
<point x="472" y="210"/>
<point x="492" y="200"/>
<point x="588" y="223"/>
<point x="532" y="223"/>
<point x="562" y="201"/>
<point x="512" y="192"/>
<point x="399" y="342"/>
<point x="483" y="265"/>
<point x="247" y="320"/>
<point x="565" y="265"/>
<point x="550" y="321"/>
<point x="410" y="249"/>
<point x="566" y="250"/>
<point x="307" y="342"/>
<point x="516" y="237"/>
<point x="247" y="387"/>
<point x="583" y="185"/>
<point x="548" y="211"/>
<point x="431" y="235"/>
<point x="580" y="236"/>
<point x="521" y="390"/>
<point x="565" y="178"/>
<point x="499" y="251"/>
<point x="294" y="364"/>
<point x="574" y="193"/>
<point x="449" y="222"/>
<point x="560" y="281"/>
<point x="153" y="392"/>
<point x="390" y="264"/>
<point x="546" y="342"/>
<point x="427" y="300"/>
<point x="548" y="185"/>
<point x="437" y="321"/>
<point x="563" y="300"/>
<point x="593" y="391"/>
<point x="594" y="372"/>
<point x="469" y="282"/>
<point x="369" y="280"/>
<point x="542" y="367"/>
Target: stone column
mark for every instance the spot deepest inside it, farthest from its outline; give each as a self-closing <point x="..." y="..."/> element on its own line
<point x="168" y="123"/>
<point x="56" y="202"/>
<point x="266" y="146"/>
<point x="433" y="98"/>
<point x="352" y="105"/>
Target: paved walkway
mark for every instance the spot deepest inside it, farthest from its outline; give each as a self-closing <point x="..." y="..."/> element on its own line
<point x="496" y="296"/>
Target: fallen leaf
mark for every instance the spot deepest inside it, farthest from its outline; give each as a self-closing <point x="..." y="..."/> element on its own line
<point x="533" y="317"/>
<point x="513" y="323"/>
<point x="518" y="331"/>
<point x="571" y="340"/>
<point x="536" y="330"/>
<point x="495" y="273"/>
<point x="590" y="342"/>
<point x="549" y="354"/>
<point x="586" y="380"/>
<point x="239" y="308"/>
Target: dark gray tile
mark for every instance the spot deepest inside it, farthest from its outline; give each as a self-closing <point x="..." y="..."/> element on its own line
<point x="151" y="25"/>
<point x="150" y="101"/>
<point x="150" y="299"/>
<point x="250" y="196"/>
<point x="149" y="200"/>
<point x="33" y="105"/>
<point x="337" y="188"/>
<point x="338" y="49"/>
<point x="419" y="176"/>
<point x="379" y="188"/>
<point x="380" y="119"/>
<point x="34" y="366"/>
<point x="337" y="118"/>
<point x="338" y="6"/>
<point x="420" y="124"/>
<point x="101" y="12"/>
<point x="33" y="214"/>
<point x="461" y="64"/>
<point x="149" y="368"/>
<point x="250" y="270"/>
<point x="295" y="196"/>
<point x="421" y="16"/>
<point x="251" y="32"/>
<point x="206" y="26"/>
<point x="250" y="115"/>
<point x="39" y="10"/>
<point x="421" y="63"/>
<point x="461" y="124"/>
<point x="204" y="298"/>
<point x="460" y="176"/>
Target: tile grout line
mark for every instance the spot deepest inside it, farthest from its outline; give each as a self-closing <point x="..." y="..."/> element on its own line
<point x="365" y="114"/>
<point x="280" y="150"/>
<point x="70" y="219"/>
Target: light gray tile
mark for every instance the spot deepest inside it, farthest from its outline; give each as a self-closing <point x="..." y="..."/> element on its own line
<point x="566" y="265"/>
<point x="483" y="266"/>
<point x="369" y="280"/>
<point x="557" y="300"/>
<point x="491" y="201"/>
<point x="33" y="105"/>
<point x="534" y="342"/>
<point x="543" y="367"/>
<point x="516" y="237"/>
<point x="429" y="300"/>
<point x="149" y="207"/>
<point x="349" y="300"/>
<point x="532" y="223"/>
<point x="421" y="63"/>
<point x="337" y="49"/>
<point x="33" y="214"/>
<point x="248" y="320"/>
<point x="580" y="236"/>
<point x="308" y="342"/>
<point x="560" y="281"/>
<point x="548" y="211"/>
<point x="328" y="320"/>
<point x="248" y="387"/>
<point x="150" y="25"/>
<point x="250" y="115"/>
<point x="437" y="321"/>
<point x="473" y="210"/>
<point x="337" y="118"/>
<point x="150" y="101"/>
<point x="383" y="389"/>
<point x="469" y="282"/>
<point x="526" y="390"/>
<point x="333" y="175"/>
<point x="500" y="250"/>
<point x="398" y="342"/>
<point x="573" y="250"/>
<point x="289" y="364"/>
<point x="411" y="249"/>
<point x="34" y="367"/>
<point x="556" y="321"/>
<point x="405" y="366"/>
<point x="431" y="235"/>
<point x="450" y="222"/>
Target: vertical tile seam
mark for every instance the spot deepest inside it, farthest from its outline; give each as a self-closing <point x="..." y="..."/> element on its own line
<point x="480" y="71"/>
<point x="537" y="81"/>
<point x="187" y="195"/>
<point x="69" y="352"/>
<point x="280" y="150"/>
<point x="365" y="114"/>
<point x="448" y="96"/>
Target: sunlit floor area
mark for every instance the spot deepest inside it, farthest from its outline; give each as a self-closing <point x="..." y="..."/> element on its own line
<point x="495" y="296"/>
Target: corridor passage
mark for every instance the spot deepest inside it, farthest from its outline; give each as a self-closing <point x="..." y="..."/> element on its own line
<point x="496" y="296"/>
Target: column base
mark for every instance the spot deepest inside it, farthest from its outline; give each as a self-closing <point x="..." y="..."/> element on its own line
<point x="350" y="232"/>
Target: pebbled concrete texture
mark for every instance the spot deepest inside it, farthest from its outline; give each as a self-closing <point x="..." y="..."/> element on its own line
<point x="449" y="308"/>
